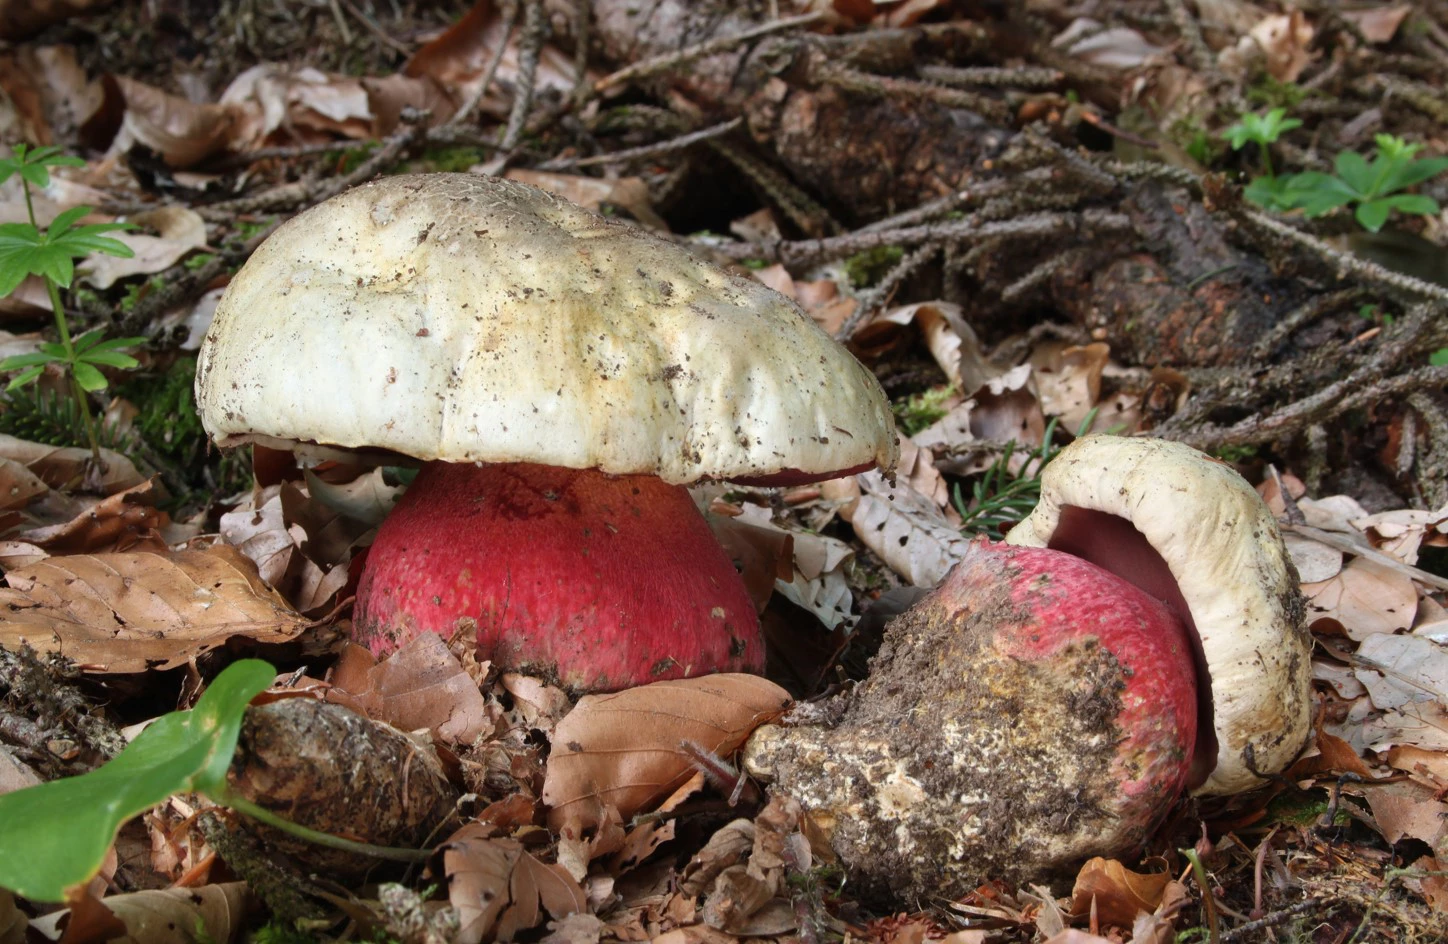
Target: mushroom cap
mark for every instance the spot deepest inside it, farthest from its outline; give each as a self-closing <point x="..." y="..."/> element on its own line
<point x="1223" y="548"/>
<point x="467" y="318"/>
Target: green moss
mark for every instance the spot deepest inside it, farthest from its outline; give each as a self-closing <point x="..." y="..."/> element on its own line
<point x="919" y="410"/>
<point x="1274" y="93"/>
<point x="1303" y="809"/>
<point x="1234" y="454"/>
<point x="868" y="267"/>
<point x="450" y="159"/>
<point x="167" y="418"/>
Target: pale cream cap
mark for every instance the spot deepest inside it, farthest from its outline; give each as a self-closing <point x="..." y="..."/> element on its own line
<point x="467" y="318"/>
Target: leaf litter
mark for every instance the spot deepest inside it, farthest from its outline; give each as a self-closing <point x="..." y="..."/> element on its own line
<point x="1379" y="625"/>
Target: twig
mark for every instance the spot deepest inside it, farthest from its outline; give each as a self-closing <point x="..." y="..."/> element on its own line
<point x="1346" y="262"/>
<point x="1333" y="400"/>
<point x="658" y="64"/>
<point x="1034" y="77"/>
<point x="799" y="206"/>
<point x="1273" y="918"/>
<point x="868" y="83"/>
<point x="530" y="47"/>
<point x="1306" y="314"/>
<point x="807" y="251"/>
<point x="1200" y="54"/>
<point x="510" y="17"/>
<point x="868" y="300"/>
<point x="646" y="151"/>
<point x="374" y="29"/>
<point x="1346" y="544"/>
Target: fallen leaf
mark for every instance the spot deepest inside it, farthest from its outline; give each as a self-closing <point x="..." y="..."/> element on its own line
<point x="171" y="915"/>
<point x="1378" y="24"/>
<point x="1286" y="40"/>
<point x="1407" y="809"/>
<point x="1415" y="760"/>
<point x="69" y="467"/>
<point x="139" y="611"/>
<point x="1315" y="561"/>
<point x="906" y="529"/>
<point x="479" y="868"/>
<point x="625" y="750"/>
<point x="182" y="132"/>
<point x="1366" y="597"/>
<point x="1401" y="533"/>
<point x="179" y="230"/>
<point x="1112" y="47"/>
<point x="419" y="686"/>
<point x="1403" y="669"/>
<point x="125" y="521"/>
<point x="630" y="193"/>
<point x="1118" y="893"/>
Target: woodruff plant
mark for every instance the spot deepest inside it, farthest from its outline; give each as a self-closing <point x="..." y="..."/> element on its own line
<point x="26" y="250"/>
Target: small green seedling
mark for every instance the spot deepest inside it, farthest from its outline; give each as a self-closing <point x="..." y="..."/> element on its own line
<point x="26" y="250"/>
<point x="54" y="836"/>
<point x="1263" y="131"/>
<point x="1374" y="186"/>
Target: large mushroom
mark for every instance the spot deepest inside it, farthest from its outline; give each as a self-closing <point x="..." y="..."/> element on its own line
<point x="562" y="377"/>
<point x="1041" y="705"/>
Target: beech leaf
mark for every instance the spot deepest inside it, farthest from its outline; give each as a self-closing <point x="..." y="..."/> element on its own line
<point x="625" y="750"/>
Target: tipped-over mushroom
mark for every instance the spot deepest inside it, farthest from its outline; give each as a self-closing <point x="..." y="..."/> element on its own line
<point x="1041" y="705"/>
<point x="562" y="376"/>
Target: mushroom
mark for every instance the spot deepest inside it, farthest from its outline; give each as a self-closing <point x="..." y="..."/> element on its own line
<point x="562" y="377"/>
<point x="1041" y="705"/>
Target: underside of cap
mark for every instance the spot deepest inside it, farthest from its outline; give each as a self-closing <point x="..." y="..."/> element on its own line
<point x="1224" y="550"/>
<point x="466" y="318"/>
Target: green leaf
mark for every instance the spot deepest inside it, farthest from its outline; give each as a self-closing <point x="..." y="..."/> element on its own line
<point x="17" y="361"/>
<point x="1373" y="214"/>
<point x="1269" y="192"/>
<point x="115" y="343"/>
<point x="88" y="340"/>
<point x="54" y="836"/>
<point x="88" y="377"/>
<point x="35" y="174"/>
<point x="1414" y="173"/>
<point x="110" y="359"/>
<point x="55" y="350"/>
<point x="79" y="244"/>
<point x="63" y="221"/>
<point x="1352" y="168"/>
<point x="25" y="377"/>
<point x="1412" y="203"/>
<point x="1439" y="358"/>
<point x="1317" y="193"/>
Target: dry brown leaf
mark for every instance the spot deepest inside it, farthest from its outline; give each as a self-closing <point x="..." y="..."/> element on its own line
<point x="125" y="521"/>
<point x="18" y="485"/>
<point x="906" y="529"/>
<point x="625" y="749"/>
<point x="575" y="929"/>
<point x="70" y="467"/>
<point x="1285" y="40"/>
<point x="1408" y="809"/>
<point x="1401" y="533"/>
<point x="479" y="868"/>
<point x="1415" y="760"/>
<point x="807" y="569"/>
<point x="763" y="555"/>
<point x="458" y="58"/>
<point x="182" y="132"/>
<point x="1378" y="24"/>
<point x="1315" y="561"/>
<point x="1069" y="380"/>
<point x="1366" y="598"/>
<point x="1119" y="893"/>
<point x="133" y="612"/>
<point x="419" y="686"/>
<point x="1115" y="47"/>
<point x="630" y="193"/>
<point x="179" y="230"/>
<point x="1402" y="669"/>
<point x="171" y="915"/>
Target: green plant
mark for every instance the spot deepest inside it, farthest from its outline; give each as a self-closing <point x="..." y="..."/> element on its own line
<point x="868" y="267"/>
<point x="919" y="410"/>
<point x="1374" y="186"/>
<point x="25" y="250"/>
<point x="1263" y="131"/>
<point x="1003" y="497"/>
<point x="45" y="416"/>
<point x="54" y="836"/>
